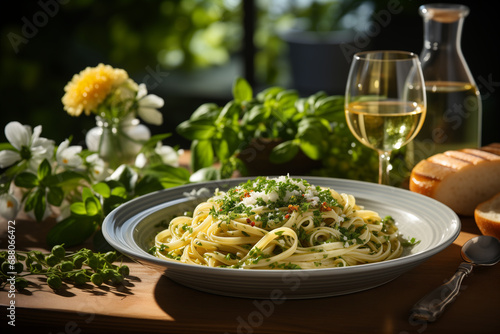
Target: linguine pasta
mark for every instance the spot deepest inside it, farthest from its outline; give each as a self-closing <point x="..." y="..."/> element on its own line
<point x="279" y="223"/>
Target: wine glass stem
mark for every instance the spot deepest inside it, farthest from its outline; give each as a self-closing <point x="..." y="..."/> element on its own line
<point x="384" y="167"/>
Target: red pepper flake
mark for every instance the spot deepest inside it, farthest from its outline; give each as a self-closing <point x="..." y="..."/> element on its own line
<point x="249" y="221"/>
<point x="287" y="216"/>
<point x="292" y="208"/>
<point x="325" y="207"/>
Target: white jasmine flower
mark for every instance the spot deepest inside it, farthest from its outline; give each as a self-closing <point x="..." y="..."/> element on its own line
<point x="67" y="156"/>
<point x="28" y="146"/>
<point x="8" y="158"/>
<point x="9" y="206"/>
<point x="149" y="105"/>
<point x="97" y="167"/>
<point x="169" y="156"/>
<point x="92" y="139"/>
<point x="134" y="136"/>
<point x="125" y="169"/>
<point x="140" y="160"/>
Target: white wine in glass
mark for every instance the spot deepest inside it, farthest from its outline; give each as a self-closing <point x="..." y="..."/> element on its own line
<point x="385" y="102"/>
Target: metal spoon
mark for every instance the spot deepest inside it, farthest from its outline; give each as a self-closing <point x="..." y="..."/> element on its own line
<point x="479" y="251"/>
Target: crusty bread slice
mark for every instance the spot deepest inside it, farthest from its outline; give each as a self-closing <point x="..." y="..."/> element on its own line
<point x="460" y="179"/>
<point x="487" y="216"/>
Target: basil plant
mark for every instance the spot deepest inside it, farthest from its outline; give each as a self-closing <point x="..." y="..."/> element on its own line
<point x="219" y="134"/>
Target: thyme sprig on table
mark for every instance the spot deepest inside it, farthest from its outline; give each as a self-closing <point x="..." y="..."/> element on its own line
<point x="60" y="266"/>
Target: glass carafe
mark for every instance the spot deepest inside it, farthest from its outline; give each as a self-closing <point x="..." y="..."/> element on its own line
<point x="453" y="118"/>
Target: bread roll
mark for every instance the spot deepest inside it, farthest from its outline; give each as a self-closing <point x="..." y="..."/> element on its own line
<point x="487" y="215"/>
<point x="459" y="179"/>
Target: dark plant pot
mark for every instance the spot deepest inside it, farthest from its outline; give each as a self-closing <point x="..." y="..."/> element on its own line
<point x="256" y="159"/>
<point x="319" y="61"/>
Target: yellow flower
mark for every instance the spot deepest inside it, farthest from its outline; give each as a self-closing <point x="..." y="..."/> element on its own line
<point x="88" y="89"/>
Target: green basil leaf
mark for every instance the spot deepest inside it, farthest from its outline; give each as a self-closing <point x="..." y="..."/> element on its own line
<point x="202" y="154"/>
<point x="65" y="178"/>
<point x="311" y="100"/>
<point x="78" y="208"/>
<point x="40" y="204"/>
<point x="313" y="144"/>
<point x="228" y="145"/>
<point x="113" y="184"/>
<point x="44" y="169"/>
<point x="301" y="105"/>
<point x="26" y="180"/>
<point x="269" y="93"/>
<point x="120" y="192"/>
<point x="207" y="111"/>
<point x="55" y="196"/>
<point x="257" y="114"/>
<point x="102" y="189"/>
<point x="242" y="91"/>
<point x="92" y="206"/>
<point x="111" y="203"/>
<point x="151" y="142"/>
<point x="168" y="182"/>
<point x="230" y="112"/>
<point x="197" y="129"/>
<point x="158" y="171"/>
<point x="147" y="184"/>
<point x="71" y="231"/>
<point x="29" y="204"/>
<point x="86" y="193"/>
<point x="287" y="98"/>
<point x="160" y="177"/>
<point x="222" y="149"/>
<point x="329" y="107"/>
<point x="313" y="124"/>
<point x="284" y="152"/>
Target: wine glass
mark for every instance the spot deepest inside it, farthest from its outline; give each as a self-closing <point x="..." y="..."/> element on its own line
<point x="385" y="102"/>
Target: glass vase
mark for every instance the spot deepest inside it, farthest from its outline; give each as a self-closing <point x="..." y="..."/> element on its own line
<point x="117" y="141"/>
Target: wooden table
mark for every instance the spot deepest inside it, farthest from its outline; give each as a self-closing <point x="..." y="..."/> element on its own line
<point x="151" y="303"/>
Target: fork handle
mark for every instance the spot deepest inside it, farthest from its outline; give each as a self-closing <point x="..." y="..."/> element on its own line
<point x="430" y="307"/>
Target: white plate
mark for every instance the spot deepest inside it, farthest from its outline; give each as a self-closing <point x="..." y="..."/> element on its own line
<point x="131" y="228"/>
